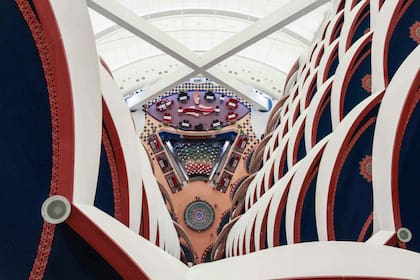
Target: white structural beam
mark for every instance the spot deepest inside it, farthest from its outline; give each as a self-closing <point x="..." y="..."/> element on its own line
<point x="141" y="28"/>
<point x="135" y="24"/>
<point x="146" y="31"/>
<point x="259" y="30"/>
<point x="296" y="36"/>
<point x="234" y="85"/>
<point x="314" y="260"/>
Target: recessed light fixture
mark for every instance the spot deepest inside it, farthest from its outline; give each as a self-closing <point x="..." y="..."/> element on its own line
<point x="404" y="234"/>
<point x="55" y="209"/>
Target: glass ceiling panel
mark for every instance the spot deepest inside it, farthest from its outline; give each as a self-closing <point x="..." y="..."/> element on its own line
<point x="199" y="22"/>
<point x="251" y="7"/>
<point x="200" y="33"/>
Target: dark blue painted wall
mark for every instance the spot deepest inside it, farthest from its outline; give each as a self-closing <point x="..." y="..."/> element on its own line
<point x="308" y="229"/>
<point x="400" y="44"/>
<point x="104" y="198"/>
<point x="409" y="179"/>
<point x="354" y="194"/>
<point x="25" y="156"/>
<point x="72" y="258"/>
<point x="354" y="92"/>
<point x="325" y="125"/>
<point x="25" y="146"/>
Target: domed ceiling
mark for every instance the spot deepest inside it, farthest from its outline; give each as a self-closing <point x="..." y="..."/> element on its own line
<point x="250" y="44"/>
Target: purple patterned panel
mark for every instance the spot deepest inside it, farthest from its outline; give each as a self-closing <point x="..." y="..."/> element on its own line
<point x="198" y="110"/>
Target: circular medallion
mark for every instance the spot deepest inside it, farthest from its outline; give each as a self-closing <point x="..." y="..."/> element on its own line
<point x="415" y="32"/>
<point x="365" y="167"/>
<point x="199" y="215"/>
<point x="367" y="83"/>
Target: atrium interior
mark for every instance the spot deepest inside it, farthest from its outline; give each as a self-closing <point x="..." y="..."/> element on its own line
<point x="198" y="139"/>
